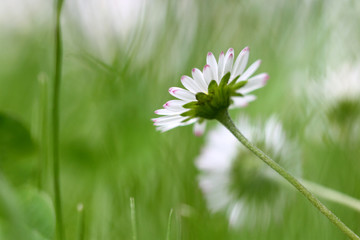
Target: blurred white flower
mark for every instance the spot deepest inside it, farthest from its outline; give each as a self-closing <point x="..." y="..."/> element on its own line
<point x="24" y="15"/>
<point x="341" y="85"/>
<point x="235" y="182"/>
<point x="337" y="103"/>
<point x="103" y="25"/>
<point x="210" y="91"/>
<point x="109" y="29"/>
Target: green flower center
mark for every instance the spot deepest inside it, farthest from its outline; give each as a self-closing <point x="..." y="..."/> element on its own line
<point x="345" y="112"/>
<point x="251" y="179"/>
<point x="217" y="99"/>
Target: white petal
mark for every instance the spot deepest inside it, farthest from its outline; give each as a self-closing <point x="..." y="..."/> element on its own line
<point x="230" y="51"/>
<point x="250" y="98"/>
<point x="229" y="63"/>
<point x="235" y="214"/>
<point x="190" y="84"/>
<point x="199" y="128"/>
<point x="240" y="63"/>
<point x="207" y="74"/>
<point x="182" y="94"/>
<point x="250" y="70"/>
<point x="175" y="105"/>
<point x="165" y="119"/>
<point x="199" y="78"/>
<point x="168" y="120"/>
<point x="242" y="101"/>
<point x="254" y="83"/>
<point x="188" y="122"/>
<point x="168" y="112"/>
<point x="226" y="58"/>
<point x="221" y="65"/>
<point x="211" y="61"/>
<point x="262" y="77"/>
<point x="168" y="127"/>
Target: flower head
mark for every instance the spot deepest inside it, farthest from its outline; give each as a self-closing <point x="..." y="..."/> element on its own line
<point x="236" y="183"/>
<point x="338" y="96"/>
<point x="221" y="84"/>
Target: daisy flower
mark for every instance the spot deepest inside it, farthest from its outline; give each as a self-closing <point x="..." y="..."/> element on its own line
<point x="222" y="84"/>
<point x="236" y="183"/>
<point x="338" y="96"/>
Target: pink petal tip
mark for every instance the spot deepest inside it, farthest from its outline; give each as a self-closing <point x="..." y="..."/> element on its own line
<point x="266" y="78"/>
<point x="206" y="66"/>
<point x="172" y="90"/>
<point x="198" y="133"/>
<point x="244" y="104"/>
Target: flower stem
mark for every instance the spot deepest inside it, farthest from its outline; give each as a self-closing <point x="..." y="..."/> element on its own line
<point x="55" y="122"/>
<point x="224" y="118"/>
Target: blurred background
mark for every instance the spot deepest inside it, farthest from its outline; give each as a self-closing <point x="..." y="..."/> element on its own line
<point x="120" y="58"/>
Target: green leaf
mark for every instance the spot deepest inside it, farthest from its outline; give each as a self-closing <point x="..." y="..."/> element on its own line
<point x="15" y="138"/>
<point x="38" y="212"/>
<point x="25" y="214"/>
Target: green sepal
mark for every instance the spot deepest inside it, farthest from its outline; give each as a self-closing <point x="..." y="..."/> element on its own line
<point x="212" y="86"/>
<point x="189" y="113"/>
<point x="224" y="81"/>
<point x="239" y="84"/>
<point x="187" y="119"/>
<point x="236" y="94"/>
<point x="190" y="104"/>
<point x="233" y="82"/>
<point x="202" y="97"/>
<point x="201" y="120"/>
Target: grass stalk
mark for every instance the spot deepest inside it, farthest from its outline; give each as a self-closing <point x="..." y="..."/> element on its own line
<point x="169" y="225"/>
<point x="332" y="195"/>
<point x="43" y="130"/>
<point x="81" y="222"/>
<point x="56" y="122"/>
<point x="133" y="218"/>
